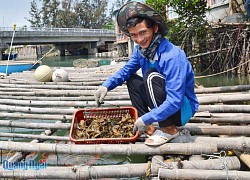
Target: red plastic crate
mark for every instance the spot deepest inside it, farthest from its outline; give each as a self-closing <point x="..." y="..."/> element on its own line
<point x="88" y="114"/>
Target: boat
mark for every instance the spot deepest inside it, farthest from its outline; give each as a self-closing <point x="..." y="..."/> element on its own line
<point x="104" y="62"/>
<point x="17" y="66"/>
<point x="12" y="56"/>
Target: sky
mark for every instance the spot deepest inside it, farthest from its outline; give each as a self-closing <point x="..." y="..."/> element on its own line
<point x="15" y="12"/>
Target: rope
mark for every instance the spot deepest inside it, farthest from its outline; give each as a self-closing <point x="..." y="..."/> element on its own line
<point x="148" y="172"/>
<point x="46" y="54"/>
<point x="90" y="169"/>
<point x="221" y="155"/>
<point x="39" y="60"/>
<point x="198" y="77"/>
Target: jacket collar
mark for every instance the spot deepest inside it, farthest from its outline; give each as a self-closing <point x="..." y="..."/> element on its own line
<point x="162" y="45"/>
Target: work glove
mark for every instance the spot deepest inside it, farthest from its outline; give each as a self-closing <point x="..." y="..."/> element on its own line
<point x="100" y="95"/>
<point x="140" y="126"/>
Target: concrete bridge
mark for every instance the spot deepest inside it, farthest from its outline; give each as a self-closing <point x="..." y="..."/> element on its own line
<point x="62" y="38"/>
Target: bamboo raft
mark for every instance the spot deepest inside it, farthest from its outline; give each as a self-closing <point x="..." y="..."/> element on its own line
<point x="36" y="117"/>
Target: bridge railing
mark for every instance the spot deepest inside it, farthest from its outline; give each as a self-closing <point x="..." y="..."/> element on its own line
<point x="59" y="31"/>
<point x="56" y="29"/>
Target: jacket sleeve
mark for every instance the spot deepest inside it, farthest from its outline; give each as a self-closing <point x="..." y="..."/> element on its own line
<point x="174" y="69"/>
<point x="123" y="74"/>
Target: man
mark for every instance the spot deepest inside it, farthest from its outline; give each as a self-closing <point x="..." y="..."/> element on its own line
<point x="165" y="94"/>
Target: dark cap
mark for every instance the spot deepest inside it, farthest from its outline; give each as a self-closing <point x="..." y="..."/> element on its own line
<point x="137" y="9"/>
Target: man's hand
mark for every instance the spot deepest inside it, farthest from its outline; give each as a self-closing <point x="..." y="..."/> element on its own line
<point x="100" y="95"/>
<point x="140" y="126"/>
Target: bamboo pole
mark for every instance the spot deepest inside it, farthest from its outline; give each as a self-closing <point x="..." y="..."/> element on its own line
<point x="33" y="136"/>
<point x="44" y="103"/>
<point x="223" y="143"/>
<point x="232" y="143"/>
<point x="61" y="103"/>
<point x="36" y="116"/>
<point x="25" y="91"/>
<point x="223" y="115"/>
<point x="123" y="149"/>
<point x="63" y="98"/>
<point x="40" y="87"/>
<point x="240" y="119"/>
<point x="43" y="92"/>
<point x="157" y="162"/>
<point x="217" y="130"/>
<point x="37" y="110"/>
<point x="196" y="158"/>
<point x="223" y="89"/>
<point x="80" y="172"/>
<point x="35" y="82"/>
<point x="55" y="110"/>
<point x="202" y="174"/>
<point x="48" y="86"/>
<point x="219" y="163"/>
<point x="116" y="171"/>
<point x="225" y="108"/>
<point x="26" y="81"/>
<point x="29" y="125"/>
<point x="222" y="94"/>
<point x="224" y="98"/>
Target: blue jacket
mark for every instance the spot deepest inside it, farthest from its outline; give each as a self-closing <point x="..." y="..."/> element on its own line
<point x="178" y="73"/>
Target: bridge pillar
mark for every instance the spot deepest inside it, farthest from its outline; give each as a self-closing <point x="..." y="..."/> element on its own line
<point x="1" y="51"/>
<point x="3" y="47"/>
<point x="92" y="48"/>
<point x="61" y="48"/>
<point x="62" y="52"/>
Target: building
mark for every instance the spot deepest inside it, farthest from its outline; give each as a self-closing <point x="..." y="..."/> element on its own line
<point x="226" y="11"/>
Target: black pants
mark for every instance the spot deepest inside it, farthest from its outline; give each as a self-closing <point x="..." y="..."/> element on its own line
<point x="149" y="92"/>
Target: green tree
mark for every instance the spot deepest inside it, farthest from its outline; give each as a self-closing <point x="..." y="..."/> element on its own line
<point x="159" y="6"/>
<point x="53" y="13"/>
<point x="191" y="24"/>
<point x="92" y="13"/>
<point x="35" y="14"/>
<point x="66" y="15"/>
<point x="45" y="13"/>
<point x="73" y="13"/>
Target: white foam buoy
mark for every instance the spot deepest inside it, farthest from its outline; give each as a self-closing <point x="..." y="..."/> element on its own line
<point x="60" y="75"/>
<point x="113" y="62"/>
<point x="43" y="73"/>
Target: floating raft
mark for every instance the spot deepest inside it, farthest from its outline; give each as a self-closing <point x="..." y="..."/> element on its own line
<point x="35" y="119"/>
